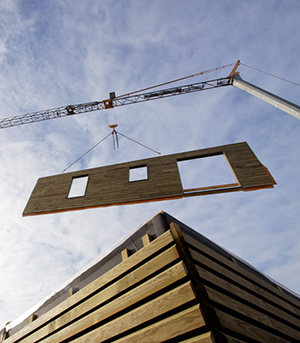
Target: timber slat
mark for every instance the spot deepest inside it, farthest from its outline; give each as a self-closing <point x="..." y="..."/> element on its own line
<point x="248" y="330"/>
<point x="155" y="295"/>
<point x="252" y="314"/>
<point x="247" y="284"/>
<point x="112" y="291"/>
<point x="204" y="338"/>
<point x="231" y="339"/>
<point x="121" y="269"/>
<point x="222" y="263"/>
<point x="152" y="286"/>
<point x="246" y="296"/>
<point x="171" y="327"/>
<point x="251" y="288"/>
<point x="166" y="302"/>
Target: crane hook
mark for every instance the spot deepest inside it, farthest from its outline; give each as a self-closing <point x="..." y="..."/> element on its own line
<point x="114" y="135"/>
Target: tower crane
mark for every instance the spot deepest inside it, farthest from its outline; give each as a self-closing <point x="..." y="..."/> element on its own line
<point x="233" y="79"/>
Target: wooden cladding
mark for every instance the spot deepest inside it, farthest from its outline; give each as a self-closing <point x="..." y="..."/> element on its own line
<point x="111" y="185"/>
<point x="244" y="304"/>
<point x="146" y="298"/>
<point x="179" y="287"/>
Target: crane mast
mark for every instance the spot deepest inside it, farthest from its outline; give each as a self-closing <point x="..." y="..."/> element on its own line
<point x="266" y="96"/>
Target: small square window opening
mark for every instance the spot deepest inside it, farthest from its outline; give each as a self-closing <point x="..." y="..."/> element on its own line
<point x="78" y="187"/>
<point x="138" y="173"/>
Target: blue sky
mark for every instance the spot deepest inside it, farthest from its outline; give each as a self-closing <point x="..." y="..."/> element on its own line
<point x="67" y="52"/>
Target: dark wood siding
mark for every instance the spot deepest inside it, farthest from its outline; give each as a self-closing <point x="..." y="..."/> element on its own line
<point x="177" y="287"/>
<point x="110" y="185"/>
<point x="146" y="298"/>
<point x="249" y="307"/>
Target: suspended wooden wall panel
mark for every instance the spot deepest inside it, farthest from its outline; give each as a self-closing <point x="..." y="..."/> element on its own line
<point x="111" y="185"/>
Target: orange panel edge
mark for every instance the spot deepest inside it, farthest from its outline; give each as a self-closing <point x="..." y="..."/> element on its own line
<point x="110" y="185"/>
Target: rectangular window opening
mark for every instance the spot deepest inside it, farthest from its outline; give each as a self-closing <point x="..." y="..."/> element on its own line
<point x="206" y="173"/>
<point x="138" y="173"/>
<point x="78" y="186"/>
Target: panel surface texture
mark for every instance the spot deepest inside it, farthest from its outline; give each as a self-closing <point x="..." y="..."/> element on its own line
<point x="247" y="305"/>
<point x="146" y="298"/>
<point x="177" y="286"/>
<point x="110" y="185"/>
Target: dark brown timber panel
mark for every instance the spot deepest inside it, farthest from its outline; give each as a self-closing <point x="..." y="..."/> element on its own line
<point x="248" y="306"/>
<point x="110" y="185"/>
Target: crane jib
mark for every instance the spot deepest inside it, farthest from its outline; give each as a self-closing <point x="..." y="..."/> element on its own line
<point x="110" y="103"/>
<point x="135" y="97"/>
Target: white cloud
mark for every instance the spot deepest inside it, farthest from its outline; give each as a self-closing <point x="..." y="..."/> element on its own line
<point x="55" y="54"/>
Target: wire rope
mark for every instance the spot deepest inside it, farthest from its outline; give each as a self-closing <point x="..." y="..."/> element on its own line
<point x="277" y="77"/>
<point x="114" y="131"/>
<point x="86" y="152"/>
<point x="139" y="143"/>
<point x="176" y="80"/>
